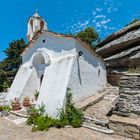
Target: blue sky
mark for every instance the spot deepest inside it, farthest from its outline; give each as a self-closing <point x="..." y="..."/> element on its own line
<point x="65" y="16"/>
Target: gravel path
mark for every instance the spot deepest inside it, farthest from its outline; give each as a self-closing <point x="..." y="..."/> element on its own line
<point x="11" y="131"/>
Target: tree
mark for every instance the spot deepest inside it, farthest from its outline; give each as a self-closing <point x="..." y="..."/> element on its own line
<point x="13" y="53"/>
<point x="89" y="35"/>
<point x="10" y="65"/>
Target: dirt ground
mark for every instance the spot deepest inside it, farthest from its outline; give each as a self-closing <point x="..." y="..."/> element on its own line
<point x="11" y="131"/>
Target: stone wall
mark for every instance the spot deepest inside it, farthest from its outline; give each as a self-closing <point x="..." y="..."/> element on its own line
<point x="114" y="79"/>
<point x="125" y="120"/>
<point x="129" y="100"/>
<point x="125" y="126"/>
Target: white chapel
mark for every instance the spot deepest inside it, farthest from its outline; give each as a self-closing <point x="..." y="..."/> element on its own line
<point x="53" y="62"/>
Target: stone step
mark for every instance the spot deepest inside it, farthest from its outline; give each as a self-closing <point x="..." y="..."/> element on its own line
<point x="104" y="107"/>
<point x="96" y="121"/>
<point x="98" y="128"/>
<point x="97" y="125"/>
<point x="20" y="113"/>
<point x="90" y="101"/>
<point x="125" y="126"/>
<point x="16" y="119"/>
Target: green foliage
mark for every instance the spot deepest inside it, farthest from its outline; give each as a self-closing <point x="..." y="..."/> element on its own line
<point x="40" y="123"/>
<point x="41" y="109"/>
<point x="69" y="116"/>
<point x="10" y="65"/>
<point x="133" y="70"/>
<point x="13" y="53"/>
<point x="36" y="93"/>
<point x="72" y="115"/>
<point x="89" y="36"/>
<point x="5" y="108"/>
<point x="33" y="112"/>
<point x="5" y="85"/>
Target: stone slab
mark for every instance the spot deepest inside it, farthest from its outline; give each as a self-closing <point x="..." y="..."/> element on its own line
<point x="125" y="120"/>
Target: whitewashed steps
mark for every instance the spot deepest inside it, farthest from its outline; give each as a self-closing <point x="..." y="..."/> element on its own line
<point x="97" y="125"/>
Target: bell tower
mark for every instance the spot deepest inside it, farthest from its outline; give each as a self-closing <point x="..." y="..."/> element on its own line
<point x="35" y="23"/>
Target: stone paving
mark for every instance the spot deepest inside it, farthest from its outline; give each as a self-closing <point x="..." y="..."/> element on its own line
<point x="101" y="108"/>
<point x="11" y="131"/>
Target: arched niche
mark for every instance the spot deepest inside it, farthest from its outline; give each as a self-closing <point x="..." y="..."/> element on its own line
<point x="31" y="24"/>
<point x="40" y="60"/>
<point x="42" y="25"/>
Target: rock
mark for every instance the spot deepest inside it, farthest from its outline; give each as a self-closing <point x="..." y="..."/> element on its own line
<point x="116" y="128"/>
<point x="4" y="113"/>
<point x="131" y="129"/>
<point x="136" y="136"/>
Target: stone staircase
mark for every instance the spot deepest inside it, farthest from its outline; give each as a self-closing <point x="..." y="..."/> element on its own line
<point x="97" y="125"/>
<point x="96" y="113"/>
<point x="101" y="108"/>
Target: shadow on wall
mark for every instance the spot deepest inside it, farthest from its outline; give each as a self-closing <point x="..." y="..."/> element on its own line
<point x="79" y="74"/>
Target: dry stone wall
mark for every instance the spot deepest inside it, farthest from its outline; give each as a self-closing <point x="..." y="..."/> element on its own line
<point x="129" y="100"/>
<point x="125" y="120"/>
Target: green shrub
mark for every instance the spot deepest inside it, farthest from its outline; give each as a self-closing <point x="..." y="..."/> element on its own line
<point x="5" y="86"/>
<point x="40" y="123"/>
<point x="36" y="94"/>
<point x="68" y="116"/>
<point x="33" y="112"/>
<point x="5" y="108"/>
<point x="133" y="70"/>
<point x="72" y="115"/>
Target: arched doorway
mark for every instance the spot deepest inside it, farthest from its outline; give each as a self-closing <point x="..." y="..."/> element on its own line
<point x="39" y="64"/>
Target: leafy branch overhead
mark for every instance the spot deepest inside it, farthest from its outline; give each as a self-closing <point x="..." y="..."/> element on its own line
<point x="89" y="35"/>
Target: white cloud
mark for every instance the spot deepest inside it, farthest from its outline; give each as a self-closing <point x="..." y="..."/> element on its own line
<point x="111" y="28"/>
<point x="98" y="24"/>
<point x="115" y="9"/>
<point x="105" y="21"/>
<point x="83" y="24"/>
<point x="100" y="16"/>
<point x="99" y="9"/>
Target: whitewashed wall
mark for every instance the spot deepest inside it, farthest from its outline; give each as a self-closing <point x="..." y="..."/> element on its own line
<point x="31" y="85"/>
<point x="55" y="46"/>
<point x="88" y="75"/>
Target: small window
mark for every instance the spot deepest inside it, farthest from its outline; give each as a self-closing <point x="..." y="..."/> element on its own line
<point x="80" y="53"/>
<point x="43" y="40"/>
